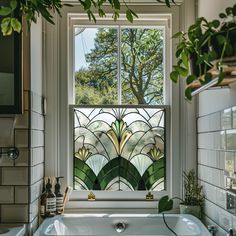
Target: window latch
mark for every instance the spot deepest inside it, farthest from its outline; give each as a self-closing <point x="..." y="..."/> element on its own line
<point x="149" y="196"/>
<point x="91" y="196"/>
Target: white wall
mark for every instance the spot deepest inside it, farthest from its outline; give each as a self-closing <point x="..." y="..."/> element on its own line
<point x="210" y="9"/>
<point x="215" y="121"/>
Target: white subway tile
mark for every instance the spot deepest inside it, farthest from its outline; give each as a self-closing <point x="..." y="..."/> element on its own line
<point x="221" y="197"/>
<point x="37" y="138"/>
<point x="6" y="194"/>
<point x="229" y="162"/>
<point x="222" y="160"/>
<point x="231" y="139"/>
<point x="35" y="190"/>
<point x="14" y="176"/>
<point x="225" y="219"/>
<point x="32" y="227"/>
<point x="22" y="121"/>
<point x="37" y="121"/>
<point x="21" y="194"/>
<point x="34" y="207"/>
<point x="37" y="156"/>
<point x="6" y="161"/>
<point x="37" y="173"/>
<point x="234" y="117"/>
<point x="211" y="211"/>
<point x="209" y="191"/>
<point x="23" y="159"/>
<point x="7" y="131"/>
<point x="21" y="138"/>
<point x="14" y="213"/>
<point x="226" y="119"/>
<point x="36" y="103"/>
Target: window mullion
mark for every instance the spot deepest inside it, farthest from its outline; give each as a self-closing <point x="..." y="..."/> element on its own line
<point x="119" y="67"/>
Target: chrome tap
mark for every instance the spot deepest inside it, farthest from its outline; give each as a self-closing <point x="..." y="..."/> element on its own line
<point x="120" y="227"/>
<point x="212" y="229"/>
<point x="230" y="233"/>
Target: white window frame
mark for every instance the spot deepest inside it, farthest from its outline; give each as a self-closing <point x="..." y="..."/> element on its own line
<point x="149" y="21"/>
<point x="57" y="122"/>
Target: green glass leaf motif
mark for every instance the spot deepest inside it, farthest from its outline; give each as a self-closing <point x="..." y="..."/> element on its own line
<point x="83" y="153"/>
<point x="119" y="134"/>
<point x="155" y="153"/>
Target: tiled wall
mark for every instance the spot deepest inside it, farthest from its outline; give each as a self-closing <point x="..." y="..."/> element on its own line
<point x="21" y="180"/>
<point x="216" y="146"/>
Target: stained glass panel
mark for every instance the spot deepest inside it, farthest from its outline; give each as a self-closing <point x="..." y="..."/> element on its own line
<point x="119" y="148"/>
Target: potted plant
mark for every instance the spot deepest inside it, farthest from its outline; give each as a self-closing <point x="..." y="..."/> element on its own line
<point x="201" y="46"/>
<point x="193" y="198"/>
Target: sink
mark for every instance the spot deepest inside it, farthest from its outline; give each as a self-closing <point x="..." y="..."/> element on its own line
<point x="8" y="230"/>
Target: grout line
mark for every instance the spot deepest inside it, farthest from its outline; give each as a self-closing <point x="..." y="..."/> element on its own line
<point x="212" y="184"/>
<point x="212" y="167"/>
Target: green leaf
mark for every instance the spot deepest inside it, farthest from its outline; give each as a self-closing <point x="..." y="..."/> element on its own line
<point x="222" y="15"/>
<point x="178" y="34"/>
<point x="16" y="25"/>
<point x="101" y="13"/>
<point x="6" y="26"/>
<point x="133" y="13"/>
<point x="116" y="4"/>
<point x="174" y="75"/>
<point x="221" y="77"/>
<point x="165" y="204"/>
<point x="188" y="93"/>
<point x="221" y="39"/>
<point x="234" y="10"/>
<point x="228" y="10"/>
<point x="182" y="71"/>
<point x="5" y="11"/>
<point x="208" y="77"/>
<point x="190" y="79"/>
<point x="129" y="16"/>
<point x="184" y="58"/>
<point x="216" y="23"/>
<point x="13" y="4"/>
<point x="87" y="4"/>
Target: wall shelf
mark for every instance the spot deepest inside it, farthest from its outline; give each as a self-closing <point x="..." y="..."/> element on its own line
<point x="229" y="70"/>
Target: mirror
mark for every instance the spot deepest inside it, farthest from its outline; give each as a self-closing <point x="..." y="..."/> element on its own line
<point x="10" y="72"/>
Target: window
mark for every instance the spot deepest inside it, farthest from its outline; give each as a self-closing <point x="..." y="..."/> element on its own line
<point x="119" y="148"/>
<point x="119" y="65"/>
<point x="119" y="106"/>
<point x="61" y="106"/>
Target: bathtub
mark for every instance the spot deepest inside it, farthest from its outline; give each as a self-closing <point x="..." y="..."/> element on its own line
<point x="121" y="224"/>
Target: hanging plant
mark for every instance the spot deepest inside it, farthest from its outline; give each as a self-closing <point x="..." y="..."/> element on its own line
<point x="204" y="46"/>
<point x="30" y="9"/>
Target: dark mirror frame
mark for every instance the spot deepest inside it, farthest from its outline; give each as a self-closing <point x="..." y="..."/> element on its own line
<point x="17" y="107"/>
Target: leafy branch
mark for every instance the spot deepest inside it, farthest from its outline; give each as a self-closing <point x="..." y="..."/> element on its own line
<point x="31" y="9"/>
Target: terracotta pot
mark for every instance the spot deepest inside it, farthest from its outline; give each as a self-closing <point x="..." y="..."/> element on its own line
<point x="192" y="210"/>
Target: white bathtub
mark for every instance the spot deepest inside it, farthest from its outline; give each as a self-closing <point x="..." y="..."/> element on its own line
<point x="136" y="224"/>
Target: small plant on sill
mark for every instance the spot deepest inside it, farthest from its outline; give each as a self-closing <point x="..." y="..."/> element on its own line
<point x="203" y="44"/>
<point x="193" y="195"/>
<point x="30" y="9"/>
<point x="192" y="202"/>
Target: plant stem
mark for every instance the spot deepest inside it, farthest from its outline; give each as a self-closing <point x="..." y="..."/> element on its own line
<point x="163" y="215"/>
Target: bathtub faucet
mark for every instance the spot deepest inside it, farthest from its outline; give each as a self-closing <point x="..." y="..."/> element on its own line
<point x="212" y="229"/>
<point x="120" y="227"/>
<point x="230" y="233"/>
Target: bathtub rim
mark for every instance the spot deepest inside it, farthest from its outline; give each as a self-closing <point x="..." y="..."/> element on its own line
<point x="49" y="221"/>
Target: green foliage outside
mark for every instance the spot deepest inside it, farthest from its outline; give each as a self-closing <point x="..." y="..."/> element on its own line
<point x="141" y="72"/>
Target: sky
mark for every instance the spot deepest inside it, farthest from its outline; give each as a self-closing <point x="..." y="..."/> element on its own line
<point x="84" y="42"/>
